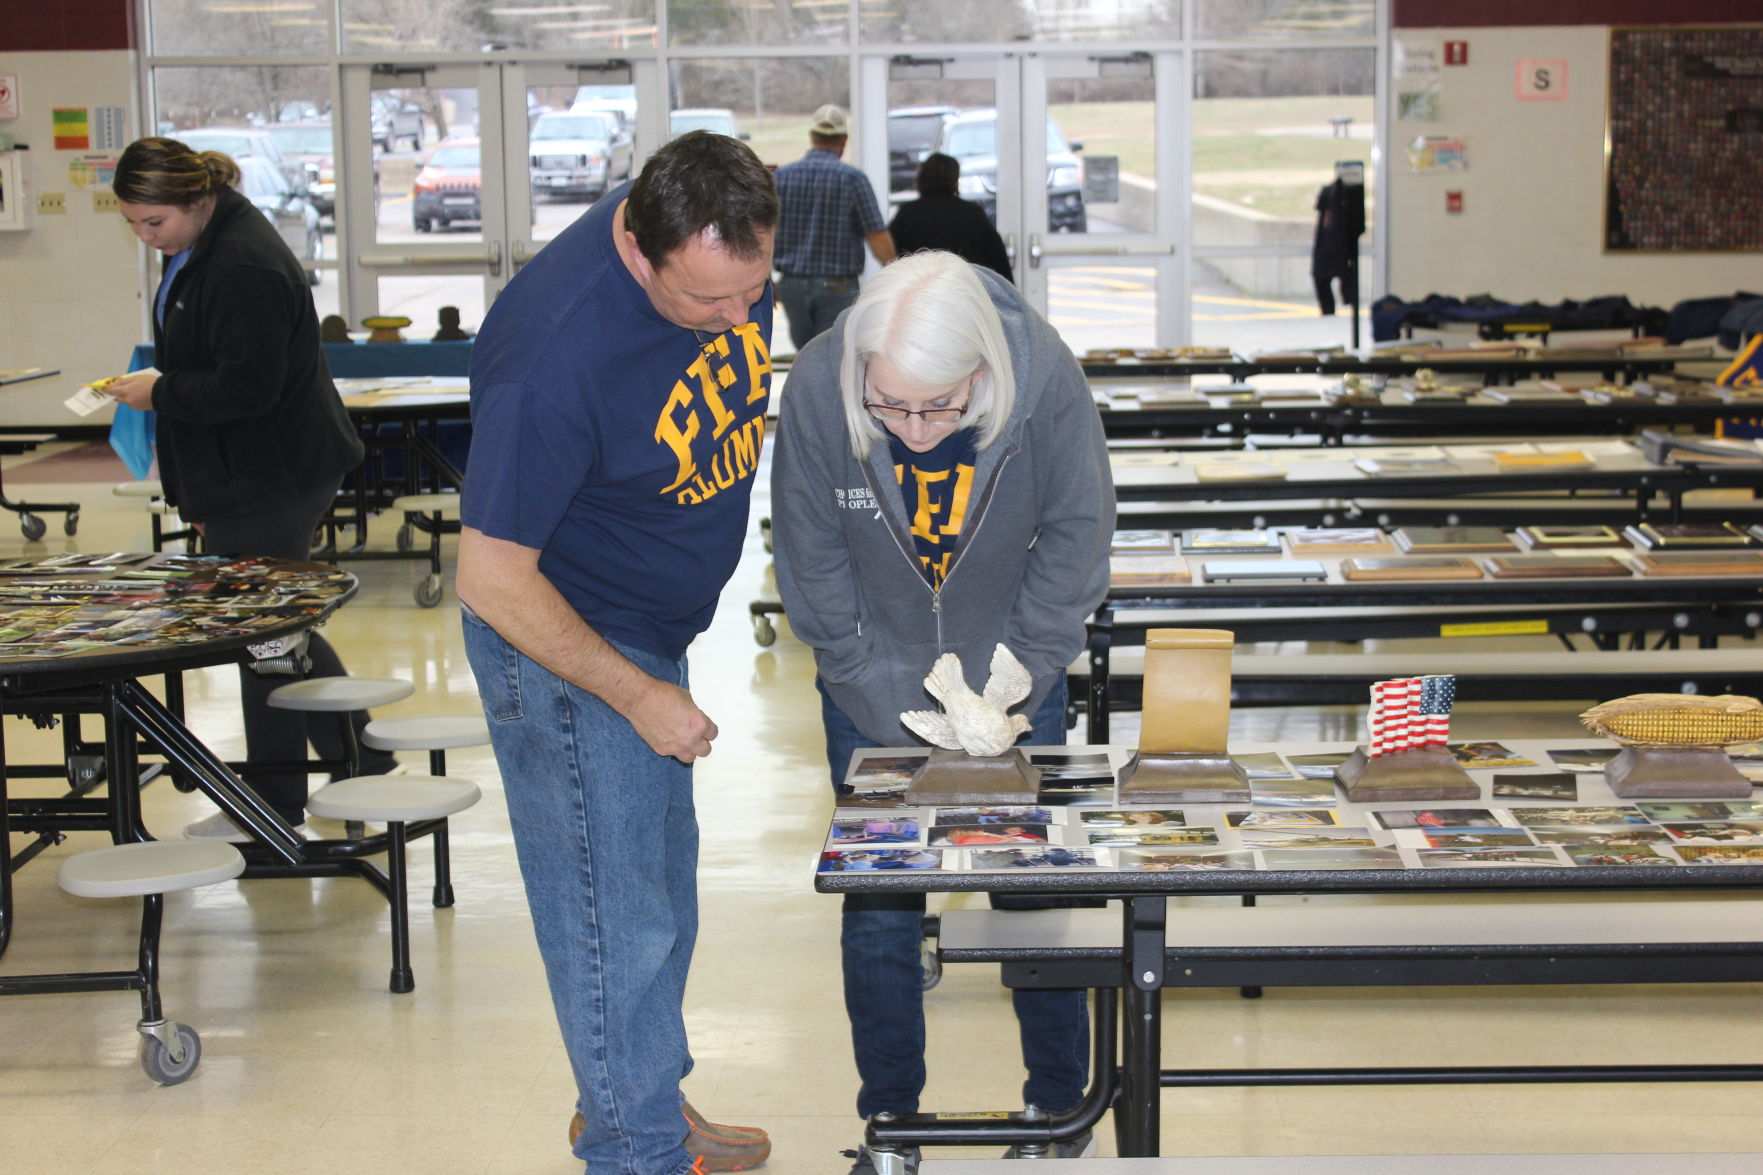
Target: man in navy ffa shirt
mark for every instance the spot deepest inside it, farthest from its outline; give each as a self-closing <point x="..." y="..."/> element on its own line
<point x="619" y="387"/>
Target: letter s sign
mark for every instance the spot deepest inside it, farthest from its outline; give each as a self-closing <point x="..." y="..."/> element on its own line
<point x="1541" y="79"/>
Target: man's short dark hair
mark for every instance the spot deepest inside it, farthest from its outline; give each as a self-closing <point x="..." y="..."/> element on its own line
<point x="938" y="175"/>
<point x="702" y="180"/>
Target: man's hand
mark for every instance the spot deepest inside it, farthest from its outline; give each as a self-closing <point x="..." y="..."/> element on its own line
<point x="666" y="718"/>
<point x="134" y="390"/>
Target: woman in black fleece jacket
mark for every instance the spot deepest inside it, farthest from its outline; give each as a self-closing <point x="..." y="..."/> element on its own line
<point x="252" y="438"/>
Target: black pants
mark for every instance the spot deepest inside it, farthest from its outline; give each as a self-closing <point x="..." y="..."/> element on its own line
<point x="284" y="530"/>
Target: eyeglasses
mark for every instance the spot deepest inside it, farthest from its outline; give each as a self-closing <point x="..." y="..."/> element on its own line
<point x="929" y="415"/>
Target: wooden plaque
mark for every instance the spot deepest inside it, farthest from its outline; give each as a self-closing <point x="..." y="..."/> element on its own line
<point x="1700" y="562"/>
<point x="1452" y="540"/>
<point x="1556" y="567"/>
<point x="1438" y="567"/>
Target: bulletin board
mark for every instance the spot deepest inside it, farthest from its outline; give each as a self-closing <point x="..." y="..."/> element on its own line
<point x="1683" y="162"/>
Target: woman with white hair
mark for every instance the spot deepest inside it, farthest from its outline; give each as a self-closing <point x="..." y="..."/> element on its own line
<point x="940" y="485"/>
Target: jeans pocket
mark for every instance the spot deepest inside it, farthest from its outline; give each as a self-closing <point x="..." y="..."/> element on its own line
<point x="496" y="665"/>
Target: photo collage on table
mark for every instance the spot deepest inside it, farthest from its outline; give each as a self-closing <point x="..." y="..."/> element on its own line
<point x="62" y="605"/>
<point x="1532" y="816"/>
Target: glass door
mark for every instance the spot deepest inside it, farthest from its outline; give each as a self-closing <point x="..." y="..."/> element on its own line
<point x="1062" y="152"/>
<point x="478" y="166"/>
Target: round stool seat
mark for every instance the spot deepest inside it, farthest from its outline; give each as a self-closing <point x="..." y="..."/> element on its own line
<point x="155" y="866"/>
<point x="427" y="504"/>
<point x="331" y="694"/>
<point x="392" y="798"/>
<point x="432" y="732"/>
<point x="138" y="489"/>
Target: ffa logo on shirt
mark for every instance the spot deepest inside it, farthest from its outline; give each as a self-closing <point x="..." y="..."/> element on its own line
<point x="714" y="419"/>
<point x="937" y="502"/>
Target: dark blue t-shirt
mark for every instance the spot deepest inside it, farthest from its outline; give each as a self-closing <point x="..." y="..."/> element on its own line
<point x="936" y="486"/>
<point x="617" y="444"/>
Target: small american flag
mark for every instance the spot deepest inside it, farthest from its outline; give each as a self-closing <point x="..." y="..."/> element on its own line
<point x="1394" y="708"/>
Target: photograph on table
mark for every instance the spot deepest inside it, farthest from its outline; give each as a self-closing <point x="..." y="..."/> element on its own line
<point x="1559" y="785"/>
<point x="1130" y="817"/>
<point x="1721" y="854"/>
<point x="1040" y="858"/>
<point x="1151" y="836"/>
<point x="1487" y="754"/>
<point x="1292" y="793"/>
<point x="1599" y="834"/>
<point x="997" y="814"/>
<point x="1463" y="838"/>
<point x="897" y="828"/>
<point x="1282" y="818"/>
<point x="1319" y="766"/>
<point x="1174" y="860"/>
<point x="1696" y="810"/>
<point x="955" y="835"/>
<point x="1435" y="818"/>
<point x="1614" y="814"/>
<point x="1716" y="831"/>
<point x="1442" y="858"/>
<point x="880" y="771"/>
<point x="1262" y="765"/>
<point x="1307" y="838"/>
<point x="1583" y="759"/>
<point x="1331" y="859"/>
<point x="869" y="860"/>
<point x="1616" y="855"/>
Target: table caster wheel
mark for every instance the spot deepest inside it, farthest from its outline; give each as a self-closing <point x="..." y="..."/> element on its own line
<point x="71" y="524"/>
<point x="763" y="632"/>
<point x="428" y="592"/>
<point x="406" y="538"/>
<point x="765" y="533"/>
<point x="930" y="967"/>
<point x="157" y="1062"/>
<point x="33" y="527"/>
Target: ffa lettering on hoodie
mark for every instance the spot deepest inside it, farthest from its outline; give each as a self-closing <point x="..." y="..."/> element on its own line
<point x="936" y="487"/>
<point x="714" y="419"/>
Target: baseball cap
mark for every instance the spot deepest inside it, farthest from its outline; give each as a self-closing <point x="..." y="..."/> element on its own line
<point x="829" y="120"/>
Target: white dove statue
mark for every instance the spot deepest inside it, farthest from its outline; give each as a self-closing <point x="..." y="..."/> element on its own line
<point x="979" y="724"/>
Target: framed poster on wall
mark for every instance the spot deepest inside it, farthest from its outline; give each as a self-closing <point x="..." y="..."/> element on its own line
<point x="1684" y="146"/>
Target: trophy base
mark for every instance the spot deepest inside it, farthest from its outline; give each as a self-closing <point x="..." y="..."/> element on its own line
<point x="1194" y="778"/>
<point x="1420" y="773"/>
<point x="1693" y="773"/>
<point x="955" y="777"/>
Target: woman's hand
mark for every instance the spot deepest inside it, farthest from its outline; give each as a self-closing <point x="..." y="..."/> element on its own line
<point x="134" y="390"/>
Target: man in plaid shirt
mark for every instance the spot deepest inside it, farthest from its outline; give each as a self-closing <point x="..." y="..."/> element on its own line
<point x="829" y="212"/>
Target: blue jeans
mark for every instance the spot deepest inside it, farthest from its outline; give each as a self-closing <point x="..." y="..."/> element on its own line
<point x="884" y="991"/>
<point x="608" y="848"/>
<point x="811" y="303"/>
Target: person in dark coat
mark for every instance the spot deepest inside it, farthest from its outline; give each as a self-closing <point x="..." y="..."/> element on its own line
<point x="252" y="437"/>
<point x="941" y="219"/>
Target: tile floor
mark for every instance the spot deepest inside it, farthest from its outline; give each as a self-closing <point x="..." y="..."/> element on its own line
<point x="310" y="1065"/>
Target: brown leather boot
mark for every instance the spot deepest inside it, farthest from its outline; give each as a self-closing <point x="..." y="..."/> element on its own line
<point x="715" y="1146"/>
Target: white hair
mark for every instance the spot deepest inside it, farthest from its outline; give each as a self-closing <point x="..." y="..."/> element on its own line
<point x="930" y="315"/>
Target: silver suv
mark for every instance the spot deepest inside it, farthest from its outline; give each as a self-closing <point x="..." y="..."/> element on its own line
<point x="971" y="137"/>
<point x="578" y="153"/>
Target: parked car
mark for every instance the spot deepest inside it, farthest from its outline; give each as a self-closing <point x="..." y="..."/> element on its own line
<point x="580" y="154"/>
<point x="447" y="187"/>
<point x="718" y="119"/>
<point x="912" y="133"/>
<point x="242" y="142"/>
<point x="622" y="98"/>
<point x="294" y="217"/>
<point x="971" y="137"/>
<point x="393" y="119"/>
<point x="309" y="144"/>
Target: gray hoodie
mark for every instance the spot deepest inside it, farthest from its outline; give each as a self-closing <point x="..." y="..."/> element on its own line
<point x="1030" y="564"/>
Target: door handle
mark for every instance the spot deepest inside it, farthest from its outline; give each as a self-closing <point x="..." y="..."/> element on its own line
<point x="1010" y="248"/>
<point x="495" y="258"/>
<point x="519" y="254"/>
<point x="1034" y="250"/>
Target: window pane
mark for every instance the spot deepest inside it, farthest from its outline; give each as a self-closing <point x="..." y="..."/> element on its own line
<point x="425" y="25"/>
<point x="1268" y="131"/>
<point x="758" y="22"/>
<point x="1114" y="121"/>
<point x="769" y="102"/>
<point x="184" y="28"/>
<point x="1286" y="20"/>
<point x="929" y="21"/>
